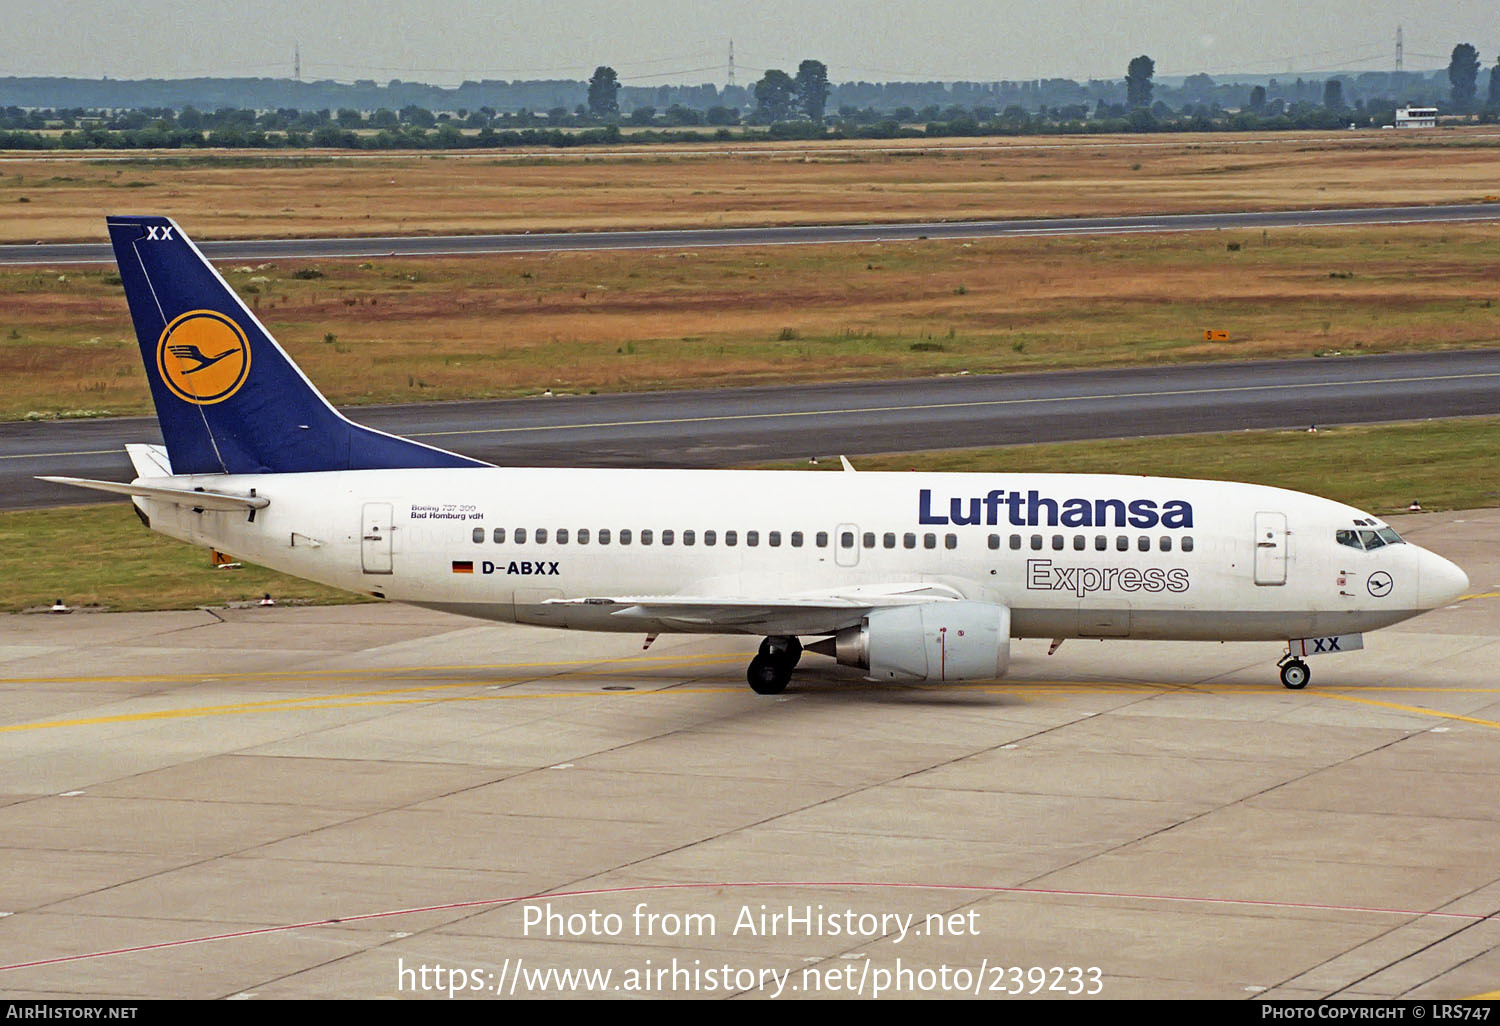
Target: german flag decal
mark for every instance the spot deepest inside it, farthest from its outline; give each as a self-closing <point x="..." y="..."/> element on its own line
<point x="463" y="566"/>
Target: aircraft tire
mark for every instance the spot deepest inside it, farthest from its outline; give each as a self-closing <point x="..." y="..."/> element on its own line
<point x="1295" y="675"/>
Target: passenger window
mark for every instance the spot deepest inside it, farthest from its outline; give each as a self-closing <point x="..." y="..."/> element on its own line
<point x="1166" y="543"/>
<point x="541" y="536"/>
<point x="1187" y="544"/>
<point x="603" y="536"/>
<point x="950" y="541"/>
<point x="752" y="538"/>
<point x="1015" y="541"/>
<point x="1349" y="538"/>
<point x="583" y="536"/>
<point x="1143" y="543"/>
<point x="1036" y="543"/>
<point x="822" y="539"/>
<point x="709" y="538"/>
<point x="846" y="540"/>
<point x="796" y="539"/>
<point x="889" y="539"/>
<point x="929" y="541"/>
<point x="1078" y="542"/>
<point x="689" y="537"/>
<point x="625" y="536"/>
<point x="562" y="536"/>
<point x="478" y="536"/>
<point x="731" y="538"/>
<point x="773" y="539"/>
<point x="1057" y="542"/>
<point x="499" y="536"/>
<point x="668" y="536"/>
<point x="994" y="541"/>
<point x="520" y="536"/>
<point x="909" y="540"/>
<point x="646" y="536"/>
<point x="869" y="539"/>
<point x="1100" y="543"/>
<point x="1122" y="543"/>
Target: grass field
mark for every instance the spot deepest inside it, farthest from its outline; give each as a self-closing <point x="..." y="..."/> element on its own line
<point x="409" y="330"/>
<point x="240" y="194"/>
<point x="101" y="555"/>
<point x="472" y="327"/>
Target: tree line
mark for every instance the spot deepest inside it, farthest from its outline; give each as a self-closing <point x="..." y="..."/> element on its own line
<point x="1462" y="72"/>
<point x="779" y="105"/>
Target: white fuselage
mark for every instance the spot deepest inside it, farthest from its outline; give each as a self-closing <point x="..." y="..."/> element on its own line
<point x="1069" y="555"/>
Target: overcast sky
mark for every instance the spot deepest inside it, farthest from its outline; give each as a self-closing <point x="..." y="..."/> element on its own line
<point x="651" y="42"/>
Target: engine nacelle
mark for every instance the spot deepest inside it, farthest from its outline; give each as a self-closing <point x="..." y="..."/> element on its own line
<point x="932" y="641"/>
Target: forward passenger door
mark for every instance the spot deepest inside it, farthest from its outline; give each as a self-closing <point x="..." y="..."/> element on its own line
<point x="1270" y="548"/>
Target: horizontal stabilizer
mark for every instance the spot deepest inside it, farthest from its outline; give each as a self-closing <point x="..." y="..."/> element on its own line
<point x="194" y="497"/>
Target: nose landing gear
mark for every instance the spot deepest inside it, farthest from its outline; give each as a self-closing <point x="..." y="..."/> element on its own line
<point x="1294" y="672"/>
<point x="771" y="669"/>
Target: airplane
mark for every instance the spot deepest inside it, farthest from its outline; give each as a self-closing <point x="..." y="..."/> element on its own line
<point x="910" y="577"/>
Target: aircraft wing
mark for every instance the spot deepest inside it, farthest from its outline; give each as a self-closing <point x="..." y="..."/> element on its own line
<point x="193" y="497"/>
<point x="785" y="614"/>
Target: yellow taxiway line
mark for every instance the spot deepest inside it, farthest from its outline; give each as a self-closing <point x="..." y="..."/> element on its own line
<point x="439" y="688"/>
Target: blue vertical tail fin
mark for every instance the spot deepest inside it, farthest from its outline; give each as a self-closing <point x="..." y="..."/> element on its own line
<point x="229" y="399"/>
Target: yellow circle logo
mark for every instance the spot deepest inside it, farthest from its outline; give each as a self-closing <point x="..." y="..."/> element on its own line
<point x="203" y="357"/>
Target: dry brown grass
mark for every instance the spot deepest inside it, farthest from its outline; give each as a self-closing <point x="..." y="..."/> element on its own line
<point x="239" y="195"/>
<point x="411" y="330"/>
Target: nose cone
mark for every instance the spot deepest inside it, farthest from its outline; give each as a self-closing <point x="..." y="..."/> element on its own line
<point x="1440" y="582"/>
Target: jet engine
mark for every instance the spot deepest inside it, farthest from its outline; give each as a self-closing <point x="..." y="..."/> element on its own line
<point x="930" y="642"/>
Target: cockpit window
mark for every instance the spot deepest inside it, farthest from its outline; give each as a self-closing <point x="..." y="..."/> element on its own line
<point x="1367" y="539"/>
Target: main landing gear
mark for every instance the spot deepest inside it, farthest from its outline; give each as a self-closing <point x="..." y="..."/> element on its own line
<point x="770" y="671"/>
<point x="1294" y="672"/>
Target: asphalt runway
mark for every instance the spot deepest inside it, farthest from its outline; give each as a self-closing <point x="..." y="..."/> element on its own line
<point x="335" y="802"/>
<point x="735" y="427"/>
<point x="545" y="242"/>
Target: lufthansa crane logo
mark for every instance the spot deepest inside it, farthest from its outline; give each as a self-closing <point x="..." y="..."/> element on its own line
<point x="203" y="357"/>
<point x="1380" y="584"/>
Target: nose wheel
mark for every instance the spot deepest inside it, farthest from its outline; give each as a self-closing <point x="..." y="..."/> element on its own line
<point x="1294" y="674"/>
<point x="771" y="669"/>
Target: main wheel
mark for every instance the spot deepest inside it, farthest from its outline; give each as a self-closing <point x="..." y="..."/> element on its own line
<point x="768" y="676"/>
<point x="1294" y="674"/>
